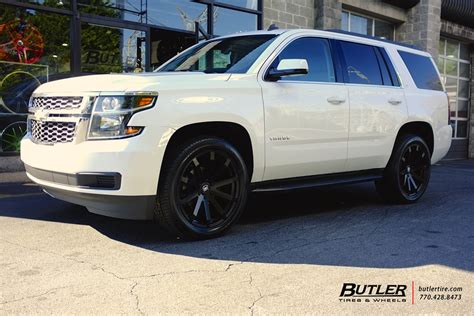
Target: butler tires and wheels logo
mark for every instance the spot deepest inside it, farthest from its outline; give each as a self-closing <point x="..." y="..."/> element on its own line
<point x="373" y="293"/>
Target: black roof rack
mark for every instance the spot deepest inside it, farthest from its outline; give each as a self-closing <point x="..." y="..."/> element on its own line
<point x="372" y="38"/>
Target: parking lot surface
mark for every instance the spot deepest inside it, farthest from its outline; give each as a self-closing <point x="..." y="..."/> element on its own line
<point x="290" y="253"/>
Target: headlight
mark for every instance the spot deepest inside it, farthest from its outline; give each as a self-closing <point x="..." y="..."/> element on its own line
<point x="112" y="113"/>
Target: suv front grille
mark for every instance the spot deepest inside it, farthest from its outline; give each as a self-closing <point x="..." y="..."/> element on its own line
<point x="56" y="103"/>
<point x="44" y="132"/>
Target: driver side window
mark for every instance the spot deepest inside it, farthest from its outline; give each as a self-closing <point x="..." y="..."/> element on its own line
<point x="317" y="53"/>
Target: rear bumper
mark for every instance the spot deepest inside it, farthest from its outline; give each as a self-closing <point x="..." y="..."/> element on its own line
<point x="442" y="143"/>
<point x="124" y="207"/>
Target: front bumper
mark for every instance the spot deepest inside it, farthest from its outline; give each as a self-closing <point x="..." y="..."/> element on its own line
<point x="136" y="160"/>
<point x="124" y="207"/>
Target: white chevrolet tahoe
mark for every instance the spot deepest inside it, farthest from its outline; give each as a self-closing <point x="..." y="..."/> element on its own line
<point x="261" y="111"/>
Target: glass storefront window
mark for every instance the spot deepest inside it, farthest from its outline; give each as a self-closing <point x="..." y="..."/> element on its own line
<point x="383" y="29"/>
<point x="451" y="67"/>
<point x="248" y="4"/>
<point x="178" y="14"/>
<point x="131" y="10"/>
<point x="367" y="26"/>
<point x="64" y="4"/>
<point x="456" y="74"/>
<point x="345" y="21"/>
<point x="464" y="70"/>
<point x="231" y="21"/>
<point x="360" y="24"/>
<point x="111" y="50"/>
<point x="464" y="51"/>
<point x="34" y="49"/>
<point x="452" y="49"/>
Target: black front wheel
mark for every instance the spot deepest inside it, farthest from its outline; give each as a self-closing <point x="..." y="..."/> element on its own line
<point x="408" y="172"/>
<point x="203" y="189"/>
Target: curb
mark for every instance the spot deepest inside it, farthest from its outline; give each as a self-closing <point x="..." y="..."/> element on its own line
<point x="11" y="164"/>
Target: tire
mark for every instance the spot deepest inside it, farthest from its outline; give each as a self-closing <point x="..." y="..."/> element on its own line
<point x="203" y="189"/>
<point x="408" y="172"/>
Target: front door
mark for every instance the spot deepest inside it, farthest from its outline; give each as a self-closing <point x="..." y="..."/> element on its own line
<point x="306" y="116"/>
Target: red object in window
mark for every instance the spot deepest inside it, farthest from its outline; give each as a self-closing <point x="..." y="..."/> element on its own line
<point x="21" y="42"/>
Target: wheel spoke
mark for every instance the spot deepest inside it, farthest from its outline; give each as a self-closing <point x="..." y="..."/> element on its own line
<point x="207" y="211"/>
<point x="198" y="205"/>
<point x="223" y="183"/>
<point x="217" y="206"/>
<point x="417" y="177"/>
<point x="189" y="198"/>
<point x="222" y="194"/>
<point x="413" y="182"/>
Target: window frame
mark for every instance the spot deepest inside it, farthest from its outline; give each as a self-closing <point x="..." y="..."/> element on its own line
<point x="382" y="60"/>
<point x="444" y="77"/>
<point x="372" y="28"/>
<point x="334" y="57"/>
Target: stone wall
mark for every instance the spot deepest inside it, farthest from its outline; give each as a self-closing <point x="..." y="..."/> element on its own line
<point x="288" y="14"/>
<point x="422" y="27"/>
<point x="376" y="8"/>
<point x="327" y="14"/>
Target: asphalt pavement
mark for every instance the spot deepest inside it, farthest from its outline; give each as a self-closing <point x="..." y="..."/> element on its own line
<point x="291" y="253"/>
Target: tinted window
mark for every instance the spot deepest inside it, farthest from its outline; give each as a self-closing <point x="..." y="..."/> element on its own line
<point x="318" y="54"/>
<point x="387" y="79"/>
<point x="422" y="70"/>
<point x="226" y="55"/>
<point x="361" y="64"/>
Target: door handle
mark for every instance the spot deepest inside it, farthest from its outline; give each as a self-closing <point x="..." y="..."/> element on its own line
<point x="394" y="101"/>
<point x="336" y="100"/>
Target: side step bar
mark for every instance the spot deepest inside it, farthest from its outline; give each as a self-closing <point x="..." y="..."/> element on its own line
<point x="317" y="181"/>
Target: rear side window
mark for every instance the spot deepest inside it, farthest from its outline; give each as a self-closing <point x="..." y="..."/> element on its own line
<point x="361" y="64"/>
<point x="317" y="53"/>
<point x="422" y="70"/>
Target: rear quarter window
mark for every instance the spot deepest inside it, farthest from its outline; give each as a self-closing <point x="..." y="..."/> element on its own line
<point x="422" y="70"/>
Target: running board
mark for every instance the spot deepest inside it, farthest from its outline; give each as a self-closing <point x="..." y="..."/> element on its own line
<point x="317" y="181"/>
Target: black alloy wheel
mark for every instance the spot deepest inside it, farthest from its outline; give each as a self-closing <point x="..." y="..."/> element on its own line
<point x="203" y="190"/>
<point x="414" y="170"/>
<point x="407" y="174"/>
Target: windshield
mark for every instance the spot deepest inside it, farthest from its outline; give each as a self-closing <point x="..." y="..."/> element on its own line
<point x="227" y="55"/>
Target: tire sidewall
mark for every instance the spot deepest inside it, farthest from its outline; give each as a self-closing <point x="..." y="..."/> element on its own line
<point x="179" y="164"/>
<point x="395" y="168"/>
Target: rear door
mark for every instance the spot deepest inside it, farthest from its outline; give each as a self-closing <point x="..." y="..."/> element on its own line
<point x="306" y="116"/>
<point x="377" y="104"/>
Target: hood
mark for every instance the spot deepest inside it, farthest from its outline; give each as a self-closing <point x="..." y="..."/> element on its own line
<point x="128" y="82"/>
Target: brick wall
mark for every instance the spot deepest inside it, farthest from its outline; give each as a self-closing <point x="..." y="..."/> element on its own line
<point x="288" y="13"/>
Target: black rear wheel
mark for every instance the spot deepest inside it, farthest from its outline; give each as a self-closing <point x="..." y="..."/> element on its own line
<point x="203" y="189"/>
<point x="408" y="172"/>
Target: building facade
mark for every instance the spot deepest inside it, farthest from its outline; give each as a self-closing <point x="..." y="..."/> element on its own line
<point x="44" y="40"/>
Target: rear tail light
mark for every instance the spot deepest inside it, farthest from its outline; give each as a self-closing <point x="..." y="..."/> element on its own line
<point x="449" y="109"/>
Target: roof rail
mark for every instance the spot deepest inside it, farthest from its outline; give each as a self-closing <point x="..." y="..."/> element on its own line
<point x="372" y="38"/>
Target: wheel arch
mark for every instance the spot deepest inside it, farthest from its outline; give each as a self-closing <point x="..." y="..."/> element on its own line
<point x="234" y="133"/>
<point x="419" y="128"/>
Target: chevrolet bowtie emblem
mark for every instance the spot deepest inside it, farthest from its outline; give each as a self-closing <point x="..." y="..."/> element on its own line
<point x="41" y="115"/>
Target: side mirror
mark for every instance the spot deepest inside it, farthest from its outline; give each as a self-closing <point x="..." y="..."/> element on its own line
<point x="288" y="67"/>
